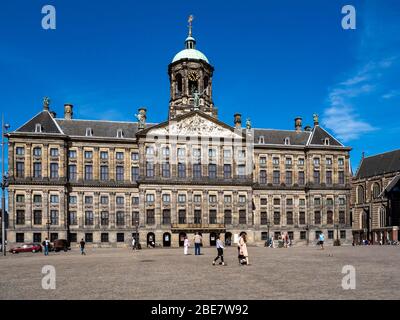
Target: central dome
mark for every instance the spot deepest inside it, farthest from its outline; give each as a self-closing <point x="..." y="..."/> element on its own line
<point x="190" y="54"/>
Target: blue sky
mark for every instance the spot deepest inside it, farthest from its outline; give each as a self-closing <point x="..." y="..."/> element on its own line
<point x="274" y="60"/>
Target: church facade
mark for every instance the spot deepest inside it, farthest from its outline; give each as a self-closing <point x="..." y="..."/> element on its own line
<point x="109" y="181"/>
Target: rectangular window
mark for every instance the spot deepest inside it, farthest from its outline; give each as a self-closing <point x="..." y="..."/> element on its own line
<point x="37" y="217"/>
<point x="212" y="170"/>
<point x="72" y="173"/>
<point x="341" y="162"/>
<point x="53" y="152"/>
<point x="303" y="235"/>
<point x="103" y="155"/>
<point x="135" y="200"/>
<point x="242" y="199"/>
<point x="181" y="170"/>
<point x="88" y="154"/>
<point x="212" y="153"/>
<point x="316" y="161"/>
<point x="134" y="156"/>
<point x="37" y="152"/>
<point x="149" y="198"/>
<point x="317" y="179"/>
<point x="275" y="161"/>
<point x="88" y="200"/>
<point x="342" y="201"/>
<point x="104" y="200"/>
<point x="196" y="170"/>
<point x="135" y="218"/>
<point x="120" y="218"/>
<point x="120" y="200"/>
<point x="37" y="237"/>
<point x="228" y="217"/>
<point x="181" y="198"/>
<point x="73" y="199"/>
<point x="19" y="151"/>
<point x="227" y="171"/>
<point x="89" y="218"/>
<point x="53" y="170"/>
<point x="73" y="219"/>
<point x="149" y="151"/>
<point x="182" y="216"/>
<point x="165" y="170"/>
<point x="72" y="154"/>
<point x="166" y="217"/>
<point x="264" y="218"/>
<point x="20" y="169"/>
<point x="289" y="218"/>
<point x="54" y="198"/>
<point x="227" y="198"/>
<point x="263" y="160"/>
<point x="288" y="161"/>
<point x="342" y="217"/>
<point x="119" y="156"/>
<point x="37" y="198"/>
<point x="289" y="201"/>
<point x="329" y="217"/>
<point x="212" y="198"/>
<point x="263" y="176"/>
<point x="302" y="217"/>
<point x="149" y="169"/>
<point x="197" y="216"/>
<point x="329" y="177"/>
<point x="227" y="154"/>
<point x="263" y="201"/>
<point x="302" y="202"/>
<point x="213" y="217"/>
<point x="20" y="198"/>
<point x="317" y="217"/>
<point x="104" y="218"/>
<point x="242" y="217"/>
<point x="103" y="173"/>
<point x="289" y="179"/>
<point x="181" y="152"/>
<point x="104" y="237"/>
<point x="19" y="237"/>
<point x="120" y="173"/>
<point x="300" y="162"/>
<point x="196" y="154"/>
<point x="242" y="154"/>
<point x="329" y="161"/>
<point x="277" y="202"/>
<point x="88" y="172"/>
<point x="197" y="198"/>
<point x="277" y="218"/>
<point x="317" y="201"/>
<point x="330" y="234"/>
<point x="329" y="202"/>
<point x="165" y="152"/>
<point x="166" y="198"/>
<point x="241" y="169"/>
<point x="89" y="237"/>
<point x="342" y="234"/>
<point x="135" y="173"/>
<point x="301" y="178"/>
<point x="341" y="177"/>
<point x="37" y="170"/>
<point x="54" y="217"/>
<point x="276" y="177"/>
<point x="73" y="237"/>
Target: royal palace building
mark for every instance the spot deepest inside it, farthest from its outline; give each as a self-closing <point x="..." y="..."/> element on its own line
<point x="109" y="181"/>
<point x="376" y="198"/>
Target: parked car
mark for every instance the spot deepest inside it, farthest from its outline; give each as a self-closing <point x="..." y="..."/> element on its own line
<point x="27" y="247"/>
<point x="61" y="244"/>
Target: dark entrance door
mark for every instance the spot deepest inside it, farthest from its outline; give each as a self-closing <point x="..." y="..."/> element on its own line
<point x="166" y="239"/>
<point x="151" y="240"/>
<point x="228" y="239"/>
<point x="182" y="236"/>
<point x="213" y="239"/>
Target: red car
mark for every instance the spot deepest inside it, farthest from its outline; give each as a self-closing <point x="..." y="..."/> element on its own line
<point x="27" y="247"/>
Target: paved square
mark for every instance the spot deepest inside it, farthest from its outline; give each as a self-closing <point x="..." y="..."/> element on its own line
<point x="294" y="273"/>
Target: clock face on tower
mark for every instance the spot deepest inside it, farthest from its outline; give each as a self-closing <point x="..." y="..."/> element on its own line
<point x="193" y="76"/>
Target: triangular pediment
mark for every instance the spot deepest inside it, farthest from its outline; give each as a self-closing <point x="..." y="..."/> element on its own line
<point x="194" y="124"/>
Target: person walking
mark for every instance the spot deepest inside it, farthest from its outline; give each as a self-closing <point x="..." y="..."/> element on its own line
<point x="321" y="240"/>
<point x="186" y="245"/>
<point x="239" y="255"/>
<point x="197" y="243"/>
<point x="220" y="250"/>
<point x="243" y="248"/>
<point x="46" y="245"/>
<point x="133" y="243"/>
<point x="82" y="246"/>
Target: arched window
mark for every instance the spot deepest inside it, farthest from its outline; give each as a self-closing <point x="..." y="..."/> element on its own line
<point x="382" y="217"/>
<point x="261" y="139"/>
<point x="376" y="190"/>
<point x="178" y="84"/>
<point x="326" y="142"/>
<point x="287" y="141"/>
<point x="360" y="195"/>
<point x="205" y="84"/>
<point x="363" y="220"/>
<point x="120" y="133"/>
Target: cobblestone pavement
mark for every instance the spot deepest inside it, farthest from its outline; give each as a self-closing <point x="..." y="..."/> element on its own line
<point x="294" y="273"/>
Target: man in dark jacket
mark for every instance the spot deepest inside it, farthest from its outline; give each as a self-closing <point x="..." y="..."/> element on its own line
<point x="82" y="245"/>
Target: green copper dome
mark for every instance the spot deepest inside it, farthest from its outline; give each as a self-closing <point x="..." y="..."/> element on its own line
<point x="190" y="54"/>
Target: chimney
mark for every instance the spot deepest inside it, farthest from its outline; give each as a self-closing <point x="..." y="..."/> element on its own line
<point x="307" y="128"/>
<point x="237" y="120"/>
<point x="53" y="114"/>
<point x="141" y="116"/>
<point x="315" y="118"/>
<point x="68" y="113"/>
<point x="298" y="124"/>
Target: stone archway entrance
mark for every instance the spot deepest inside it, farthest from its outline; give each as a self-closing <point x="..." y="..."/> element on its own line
<point x="182" y="236"/>
<point x="151" y="240"/>
<point x="166" y="239"/>
<point x="213" y="239"/>
<point x="228" y="239"/>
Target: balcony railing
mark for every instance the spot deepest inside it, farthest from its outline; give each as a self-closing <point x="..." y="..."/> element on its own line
<point x="197" y="226"/>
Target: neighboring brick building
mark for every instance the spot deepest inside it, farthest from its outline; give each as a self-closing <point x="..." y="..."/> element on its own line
<point x="95" y="179"/>
<point x="376" y="198"/>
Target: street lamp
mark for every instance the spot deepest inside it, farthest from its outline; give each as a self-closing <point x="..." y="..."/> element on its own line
<point x="136" y="234"/>
<point x="4" y="184"/>
<point x="337" y="241"/>
<point x="48" y="224"/>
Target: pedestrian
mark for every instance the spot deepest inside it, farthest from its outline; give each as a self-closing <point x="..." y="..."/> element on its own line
<point x="82" y="246"/>
<point x="321" y="240"/>
<point x="238" y="246"/>
<point x="197" y="243"/>
<point x="133" y="243"/>
<point x="186" y="245"/>
<point x="243" y="249"/>
<point x="220" y="250"/>
<point x="46" y="245"/>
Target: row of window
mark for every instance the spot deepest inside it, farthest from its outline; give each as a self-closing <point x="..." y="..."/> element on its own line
<point x="361" y="195"/>
<point x="276" y="177"/>
<point x="303" y="235"/>
<point x="300" y="161"/>
<point x="302" y="218"/>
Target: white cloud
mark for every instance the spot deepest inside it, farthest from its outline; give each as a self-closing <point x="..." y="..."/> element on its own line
<point x="391" y="94"/>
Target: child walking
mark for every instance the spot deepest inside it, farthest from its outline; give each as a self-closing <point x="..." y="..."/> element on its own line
<point x="220" y="249"/>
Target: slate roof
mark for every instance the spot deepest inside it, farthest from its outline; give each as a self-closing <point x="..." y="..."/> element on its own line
<point x="319" y="136"/>
<point x="379" y="164"/>
<point x="278" y="137"/>
<point x="45" y="119"/>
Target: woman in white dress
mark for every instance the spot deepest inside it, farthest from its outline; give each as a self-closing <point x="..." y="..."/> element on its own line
<point x="185" y="245"/>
